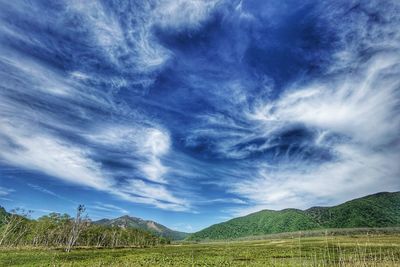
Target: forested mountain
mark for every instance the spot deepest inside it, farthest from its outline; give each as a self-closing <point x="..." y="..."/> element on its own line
<point x="378" y="210"/>
<point x="147" y="225"/>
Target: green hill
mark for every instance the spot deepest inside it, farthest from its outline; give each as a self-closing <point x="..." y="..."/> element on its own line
<point x="150" y="226"/>
<point x="378" y="210"/>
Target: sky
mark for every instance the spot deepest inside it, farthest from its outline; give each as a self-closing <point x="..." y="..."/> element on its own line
<point x="192" y="112"/>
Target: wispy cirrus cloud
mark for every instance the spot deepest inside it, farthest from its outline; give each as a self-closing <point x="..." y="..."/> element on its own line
<point x="54" y="143"/>
<point x="182" y="105"/>
<point x="49" y="192"/>
<point x="74" y="165"/>
<point x="5" y="191"/>
<point x="108" y="208"/>
<point x="322" y="140"/>
<point x="352" y="116"/>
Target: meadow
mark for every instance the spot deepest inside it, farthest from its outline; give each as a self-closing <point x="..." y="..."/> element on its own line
<point x="328" y="250"/>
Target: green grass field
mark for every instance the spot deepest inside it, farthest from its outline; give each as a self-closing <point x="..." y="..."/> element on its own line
<point x="355" y="250"/>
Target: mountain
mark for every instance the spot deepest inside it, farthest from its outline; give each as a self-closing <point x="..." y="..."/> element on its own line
<point x="378" y="210"/>
<point x="151" y="226"/>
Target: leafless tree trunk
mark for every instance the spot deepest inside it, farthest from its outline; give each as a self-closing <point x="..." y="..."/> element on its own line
<point x="76" y="228"/>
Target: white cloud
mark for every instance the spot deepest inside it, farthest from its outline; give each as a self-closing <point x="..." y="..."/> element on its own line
<point x="362" y="107"/>
<point x="30" y="127"/>
<point x="49" y="192"/>
<point x="156" y="144"/>
<point x="52" y="156"/>
<point x="108" y="208"/>
<point x="42" y="79"/>
<point x="184" y="14"/>
<point x="150" y="144"/>
<point x="129" y="34"/>
<point x="155" y="193"/>
<point x="224" y="200"/>
<point x="43" y="190"/>
<point x="5" y="191"/>
<point x="57" y="158"/>
<point x="134" y="41"/>
<point x="357" y="100"/>
<point x="353" y="105"/>
<point x="357" y="173"/>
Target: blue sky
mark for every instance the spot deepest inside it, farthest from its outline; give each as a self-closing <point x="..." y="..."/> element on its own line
<point x="193" y="112"/>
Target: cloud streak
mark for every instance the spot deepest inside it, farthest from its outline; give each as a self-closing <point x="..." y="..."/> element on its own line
<point x="203" y="106"/>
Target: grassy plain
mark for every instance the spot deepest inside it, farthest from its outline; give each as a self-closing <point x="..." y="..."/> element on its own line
<point x="350" y="250"/>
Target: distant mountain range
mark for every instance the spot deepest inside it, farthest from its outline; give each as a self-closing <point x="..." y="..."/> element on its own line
<point x="128" y="222"/>
<point x="150" y="226"/>
<point x="378" y="210"/>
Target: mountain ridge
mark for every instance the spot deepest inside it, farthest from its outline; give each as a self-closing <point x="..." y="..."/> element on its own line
<point x="158" y="229"/>
<point x="377" y="210"/>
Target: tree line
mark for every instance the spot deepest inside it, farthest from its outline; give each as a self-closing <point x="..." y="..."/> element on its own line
<point x="57" y="230"/>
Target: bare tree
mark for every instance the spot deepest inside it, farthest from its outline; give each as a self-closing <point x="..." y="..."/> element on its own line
<point x="77" y="227"/>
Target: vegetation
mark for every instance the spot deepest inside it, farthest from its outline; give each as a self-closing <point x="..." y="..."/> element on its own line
<point x="3" y="215"/>
<point x="378" y="210"/>
<point x="62" y="231"/>
<point x="150" y="226"/>
<point x="352" y="250"/>
<point x="61" y="240"/>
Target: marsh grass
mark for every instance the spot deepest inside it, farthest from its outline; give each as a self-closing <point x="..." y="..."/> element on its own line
<point x="327" y="250"/>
